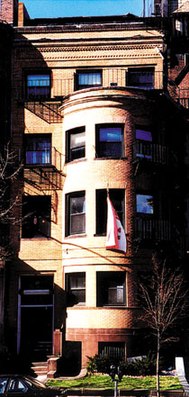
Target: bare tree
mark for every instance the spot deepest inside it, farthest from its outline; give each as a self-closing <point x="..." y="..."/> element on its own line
<point x="9" y="196"/>
<point x="165" y="302"/>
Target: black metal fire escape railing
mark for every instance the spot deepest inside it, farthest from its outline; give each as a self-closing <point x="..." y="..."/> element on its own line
<point x="46" y="174"/>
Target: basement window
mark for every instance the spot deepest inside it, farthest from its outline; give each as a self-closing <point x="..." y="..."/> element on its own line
<point x="111" y="288"/>
<point x="115" y="351"/>
<point x="36" y="214"/>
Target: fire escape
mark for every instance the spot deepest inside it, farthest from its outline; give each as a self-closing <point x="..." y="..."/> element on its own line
<point x="43" y="168"/>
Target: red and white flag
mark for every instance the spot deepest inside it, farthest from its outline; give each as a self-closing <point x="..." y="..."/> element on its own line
<point x="116" y="238"/>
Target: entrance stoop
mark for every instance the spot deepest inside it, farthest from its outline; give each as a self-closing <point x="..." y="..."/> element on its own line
<point x="40" y="368"/>
<point x="47" y="368"/>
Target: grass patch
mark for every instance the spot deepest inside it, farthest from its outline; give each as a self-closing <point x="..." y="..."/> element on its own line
<point x="127" y="383"/>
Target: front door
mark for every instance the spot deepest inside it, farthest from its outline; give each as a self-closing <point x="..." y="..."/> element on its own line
<point x="35" y="317"/>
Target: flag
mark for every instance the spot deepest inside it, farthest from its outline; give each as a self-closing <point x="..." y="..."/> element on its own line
<point x="116" y="238"/>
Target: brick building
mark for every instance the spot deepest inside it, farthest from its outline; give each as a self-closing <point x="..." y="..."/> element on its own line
<point x="5" y="120"/>
<point x="90" y="114"/>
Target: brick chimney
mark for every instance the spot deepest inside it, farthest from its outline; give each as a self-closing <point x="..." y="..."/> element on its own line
<point x="9" y="11"/>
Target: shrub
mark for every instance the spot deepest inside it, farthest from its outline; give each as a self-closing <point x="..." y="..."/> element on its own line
<point x="144" y="365"/>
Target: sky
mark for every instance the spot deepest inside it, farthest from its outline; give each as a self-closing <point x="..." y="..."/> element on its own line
<point x="69" y="8"/>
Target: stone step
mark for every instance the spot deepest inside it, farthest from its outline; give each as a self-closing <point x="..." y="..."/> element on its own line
<point x="40" y="368"/>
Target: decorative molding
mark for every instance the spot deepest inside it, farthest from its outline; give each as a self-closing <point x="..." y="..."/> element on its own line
<point x="97" y="48"/>
<point x="112" y="52"/>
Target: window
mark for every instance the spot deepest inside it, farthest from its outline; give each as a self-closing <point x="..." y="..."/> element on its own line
<point x="38" y="85"/>
<point x="36" y="212"/>
<point x="145" y="204"/>
<point x="117" y="197"/>
<point x="140" y="78"/>
<point x="113" y="350"/>
<point x="38" y="149"/>
<point x="109" y="140"/>
<point x="75" y="287"/>
<point x="17" y="386"/>
<point x="110" y="288"/>
<point x="143" y="143"/>
<point x="75" y="213"/>
<point x="36" y="290"/>
<point x="87" y="79"/>
<point x="75" y="143"/>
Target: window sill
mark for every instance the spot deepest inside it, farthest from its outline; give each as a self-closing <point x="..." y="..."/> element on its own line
<point x="113" y="307"/>
<point x="36" y="238"/>
<point x="76" y="160"/>
<point x="111" y="158"/>
<point x="75" y="235"/>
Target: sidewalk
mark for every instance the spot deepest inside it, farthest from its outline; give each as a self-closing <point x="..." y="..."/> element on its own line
<point x="180" y="371"/>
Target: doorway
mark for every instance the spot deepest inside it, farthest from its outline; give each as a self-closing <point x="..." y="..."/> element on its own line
<point x="35" y="323"/>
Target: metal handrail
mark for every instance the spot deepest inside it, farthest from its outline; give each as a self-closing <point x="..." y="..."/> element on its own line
<point x="152" y="229"/>
<point x="153" y="152"/>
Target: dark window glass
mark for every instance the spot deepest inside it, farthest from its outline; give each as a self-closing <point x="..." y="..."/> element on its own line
<point x="75" y="213"/>
<point x="110" y="288"/>
<point x="144" y="135"/>
<point x="113" y="350"/>
<point x="38" y="149"/>
<point x="143" y="148"/>
<point x="140" y="78"/>
<point x="75" y="143"/>
<point x="117" y="198"/>
<point x="75" y="286"/>
<point x="145" y="203"/>
<point x="109" y="140"/>
<point x="38" y="86"/>
<point x="86" y="79"/>
<point x="36" y="290"/>
<point x="36" y="212"/>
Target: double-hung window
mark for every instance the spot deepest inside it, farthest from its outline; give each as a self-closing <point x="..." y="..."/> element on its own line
<point x="88" y="78"/>
<point x="75" y="287"/>
<point x="75" y="143"/>
<point x="75" y="213"/>
<point x="38" y="149"/>
<point x="38" y="86"/>
<point x="36" y="214"/>
<point x="111" y="288"/>
<point x="141" y="78"/>
<point x="109" y="140"/>
<point x="117" y="197"/>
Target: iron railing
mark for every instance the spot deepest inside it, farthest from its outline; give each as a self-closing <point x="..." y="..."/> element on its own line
<point x="152" y="229"/>
<point x="48" y="111"/>
<point x="44" y="169"/>
<point x="44" y="158"/>
<point x="153" y="152"/>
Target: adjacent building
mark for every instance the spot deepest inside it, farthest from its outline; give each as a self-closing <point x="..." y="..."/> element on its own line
<point x="91" y="116"/>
